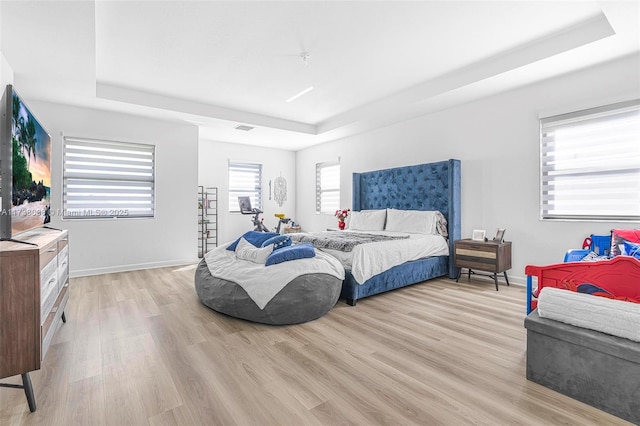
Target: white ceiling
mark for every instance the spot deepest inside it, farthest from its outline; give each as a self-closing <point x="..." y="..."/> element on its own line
<point x="219" y="64"/>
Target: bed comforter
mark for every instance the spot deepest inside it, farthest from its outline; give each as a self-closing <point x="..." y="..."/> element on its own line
<point x="370" y="259"/>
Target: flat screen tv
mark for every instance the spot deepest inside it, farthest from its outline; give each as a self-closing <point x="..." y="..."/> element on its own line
<point x="25" y="168"/>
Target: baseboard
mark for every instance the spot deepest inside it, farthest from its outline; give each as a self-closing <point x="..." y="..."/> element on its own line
<point x="517" y="280"/>
<point x="134" y="267"/>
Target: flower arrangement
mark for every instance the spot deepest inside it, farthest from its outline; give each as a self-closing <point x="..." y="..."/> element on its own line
<point x="342" y="214"/>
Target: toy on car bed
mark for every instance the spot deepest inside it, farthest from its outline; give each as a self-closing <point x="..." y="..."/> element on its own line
<point x="616" y="278"/>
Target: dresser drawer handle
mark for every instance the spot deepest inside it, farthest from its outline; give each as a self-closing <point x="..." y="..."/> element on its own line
<point x="50" y="250"/>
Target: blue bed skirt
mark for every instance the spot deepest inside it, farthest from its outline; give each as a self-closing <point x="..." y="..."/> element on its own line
<point x="399" y="276"/>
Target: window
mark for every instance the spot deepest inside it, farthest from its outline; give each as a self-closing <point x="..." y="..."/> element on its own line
<point x="105" y="179"/>
<point x="327" y="187"/>
<point x="590" y="164"/>
<point x="245" y="180"/>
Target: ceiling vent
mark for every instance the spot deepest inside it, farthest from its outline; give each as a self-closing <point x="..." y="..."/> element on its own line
<point x="244" y="128"/>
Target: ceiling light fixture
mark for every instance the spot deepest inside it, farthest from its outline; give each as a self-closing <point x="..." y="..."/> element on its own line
<point x="244" y="128"/>
<point x="305" y="57"/>
<point x="294" y="97"/>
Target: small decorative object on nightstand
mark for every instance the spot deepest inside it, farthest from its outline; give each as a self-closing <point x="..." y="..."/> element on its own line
<point x="478" y="235"/>
<point x="489" y="256"/>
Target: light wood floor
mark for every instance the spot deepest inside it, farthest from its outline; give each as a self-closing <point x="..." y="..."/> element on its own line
<point x="139" y="348"/>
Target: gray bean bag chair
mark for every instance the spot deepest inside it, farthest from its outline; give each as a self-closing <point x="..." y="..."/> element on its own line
<point x="305" y="298"/>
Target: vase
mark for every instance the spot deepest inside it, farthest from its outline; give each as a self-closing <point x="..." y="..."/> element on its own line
<point x="341" y="224"/>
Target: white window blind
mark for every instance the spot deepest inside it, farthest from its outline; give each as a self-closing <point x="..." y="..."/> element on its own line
<point x="106" y="179"/>
<point x="327" y="187"/>
<point x="245" y="180"/>
<point x="590" y="164"/>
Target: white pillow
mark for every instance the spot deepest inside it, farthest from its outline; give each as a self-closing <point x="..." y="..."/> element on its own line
<point x="247" y="251"/>
<point x="412" y="221"/>
<point x="368" y="220"/>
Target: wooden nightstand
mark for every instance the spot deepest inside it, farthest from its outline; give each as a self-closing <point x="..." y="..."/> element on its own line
<point x="489" y="256"/>
<point x="291" y="229"/>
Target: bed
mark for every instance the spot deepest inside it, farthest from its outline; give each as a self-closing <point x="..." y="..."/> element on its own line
<point x="583" y="337"/>
<point x="423" y="187"/>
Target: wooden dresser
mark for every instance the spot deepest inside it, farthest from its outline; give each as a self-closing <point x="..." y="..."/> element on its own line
<point x="34" y="289"/>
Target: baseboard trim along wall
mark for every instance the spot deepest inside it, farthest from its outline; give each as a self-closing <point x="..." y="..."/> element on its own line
<point x="134" y="267"/>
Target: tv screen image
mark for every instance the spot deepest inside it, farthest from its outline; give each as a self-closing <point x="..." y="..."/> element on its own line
<point x="29" y="158"/>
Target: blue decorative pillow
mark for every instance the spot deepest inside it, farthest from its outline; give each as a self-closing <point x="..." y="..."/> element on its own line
<point x="254" y="237"/>
<point x="279" y="241"/>
<point x="297" y="251"/>
<point x="632" y="249"/>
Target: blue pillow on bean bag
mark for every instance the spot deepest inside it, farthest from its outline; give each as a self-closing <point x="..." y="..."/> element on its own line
<point x="630" y="249"/>
<point x="297" y="251"/>
<point x="279" y="241"/>
<point x="254" y="237"/>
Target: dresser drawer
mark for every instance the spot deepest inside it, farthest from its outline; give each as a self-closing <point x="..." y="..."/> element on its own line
<point x="62" y="243"/>
<point x="49" y="283"/>
<point x="63" y="267"/>
<point x="52" y="321"/>
<point x="48" y="253"/>
<point x="48" y="295"/>
<point x="48" y="280"/>
<point x="47" y="270"/>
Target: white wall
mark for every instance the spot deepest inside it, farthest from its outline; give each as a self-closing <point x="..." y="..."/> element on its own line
<point x="6" y="73"/>
<point x="497" y="140"/>
<point x="213" y="162"/>
<point x="108" y="245"/>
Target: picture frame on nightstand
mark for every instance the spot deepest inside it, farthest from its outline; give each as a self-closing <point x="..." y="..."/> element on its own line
<point x="499" y="235"/>
<point x="478" y="235"/>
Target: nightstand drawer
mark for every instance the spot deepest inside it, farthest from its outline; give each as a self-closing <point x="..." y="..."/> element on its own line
<point x="476" y="253"/>
<point x="480" y="247"/>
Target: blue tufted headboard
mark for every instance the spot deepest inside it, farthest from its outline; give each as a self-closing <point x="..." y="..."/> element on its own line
<point x="432" y="186"/>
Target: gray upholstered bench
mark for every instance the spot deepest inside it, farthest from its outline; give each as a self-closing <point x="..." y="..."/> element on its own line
<point x="596" y="368"/>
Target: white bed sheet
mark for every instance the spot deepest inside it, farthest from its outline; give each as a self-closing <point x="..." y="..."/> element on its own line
<point x="368" y="260"/>
<point x="261" y="282"/>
